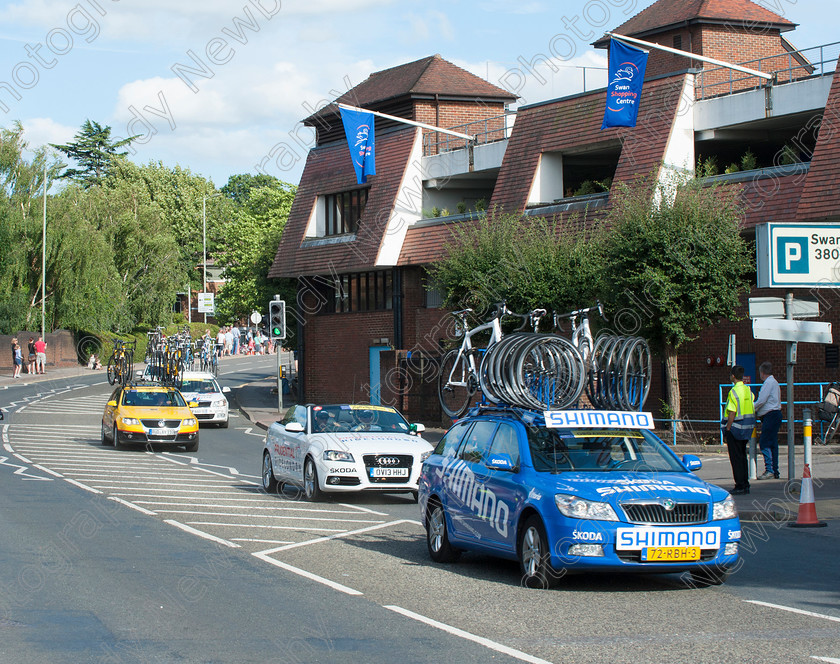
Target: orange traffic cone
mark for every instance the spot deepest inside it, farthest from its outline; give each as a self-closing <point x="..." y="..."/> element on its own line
<point x="807" y="509"/>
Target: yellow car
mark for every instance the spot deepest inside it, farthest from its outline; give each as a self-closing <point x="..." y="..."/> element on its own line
<point x="149" y="414"/>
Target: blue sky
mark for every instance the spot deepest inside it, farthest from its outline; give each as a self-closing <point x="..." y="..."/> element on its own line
<point x="265" y="65"/>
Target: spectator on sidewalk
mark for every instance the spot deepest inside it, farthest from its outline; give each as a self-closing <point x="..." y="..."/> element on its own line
<point x="236" y="334"/>
<point x="220" y="341"/>
<point x="17" y="358"/>
<point x="768" y="408"/>
<point x="30" y="367"/>
<point x="40" y="355"/>
<point x="228" y="341"/>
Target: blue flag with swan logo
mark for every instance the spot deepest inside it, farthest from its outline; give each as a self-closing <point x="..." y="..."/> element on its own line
<point x="358" y="127"/>
<point x="624" y="91"/>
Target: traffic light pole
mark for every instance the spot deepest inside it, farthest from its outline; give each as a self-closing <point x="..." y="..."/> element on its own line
<point x="279" y="377"/>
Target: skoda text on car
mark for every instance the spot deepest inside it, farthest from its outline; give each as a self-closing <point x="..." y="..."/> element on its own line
<point x="203" y="389"/>
<point x="568" y="491"/>
<point x="344" y="448"/>
<point x="150" y="413"/>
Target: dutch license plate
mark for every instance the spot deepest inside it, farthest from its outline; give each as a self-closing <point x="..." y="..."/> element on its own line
<point x="162" y="432"/>
<point x="389" y="472"/>
<point x="669" y="554"/>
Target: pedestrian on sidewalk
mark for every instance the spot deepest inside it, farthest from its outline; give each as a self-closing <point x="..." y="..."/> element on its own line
<point x="40" y="355"/>
<point x="738" y="426"/>
<point x="236" y="334"/>
<point x="17" y="357"/>
<point x="30" y="367"/>
<point x="768" y="407"/>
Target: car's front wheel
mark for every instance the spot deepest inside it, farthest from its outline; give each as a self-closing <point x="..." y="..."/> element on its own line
<point x="115" y="435"/>
<point x="437" y="536"/>
<point x="269" y="482"/>
<point x="223" y="425"/>
<point x="534" y="558"/>
<point x="311" y="489"/>
<point x="193" y="446"/>
<point x="104" y="438"/>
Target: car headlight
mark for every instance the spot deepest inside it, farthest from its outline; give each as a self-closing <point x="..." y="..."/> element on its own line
<point x="579" y="508"/>
<point x="219" y="404"/>
<point x="189" y="422"/>
<point x="725" y="509"/>
<point x="130" y="421"/>
<point x="337" y="455"/>
<point x="425" y="456"/>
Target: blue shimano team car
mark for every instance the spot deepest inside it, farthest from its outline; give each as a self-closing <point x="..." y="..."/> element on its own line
<point x="572" y="491"/>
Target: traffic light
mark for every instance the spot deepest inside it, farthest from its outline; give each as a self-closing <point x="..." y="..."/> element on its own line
<point x="276" y="319"/>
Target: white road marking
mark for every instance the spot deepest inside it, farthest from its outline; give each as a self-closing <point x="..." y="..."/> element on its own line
<point x="793" y="610"/>
<point x="82" y="486"/>
<point x="363" y="509"/>
<point x="265" y="516"/>
<point x="132" y="506"/>
<point x="47" y="471"/>
<point x="252" y="507"/>
<point x="487" y="643"/>
<point x="830" y="660"/>
<point x="253" y="525"/>
<point x="313" y="577"/>
<point x="261" y="541"/>
<point x="331" y="537"/>
<point x="201" y="533"/>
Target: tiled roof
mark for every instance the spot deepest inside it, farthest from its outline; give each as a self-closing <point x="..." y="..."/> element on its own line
<point x="821" y="195"/>
<point x="667" y="14"/>
<point x="574" y="124"/>
<point x="427" y="77"/>
<point x="329" y="170"/>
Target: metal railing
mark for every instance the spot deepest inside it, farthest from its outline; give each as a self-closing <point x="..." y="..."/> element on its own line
<point x="788" y="67"/>
<point x="488" y="130"/>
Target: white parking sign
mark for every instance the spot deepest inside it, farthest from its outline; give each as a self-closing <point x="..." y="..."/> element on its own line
<point x="797" y="255"/>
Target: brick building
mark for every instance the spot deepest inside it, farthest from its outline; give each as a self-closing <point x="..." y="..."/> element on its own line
<point x="360" y="251"/>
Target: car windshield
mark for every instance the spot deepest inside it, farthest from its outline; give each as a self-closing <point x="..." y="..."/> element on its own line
<point x="589" y="450"/>
<point x="345" y="418"/>
<point x="149" y="399"/>
<point x="201" y="386"/>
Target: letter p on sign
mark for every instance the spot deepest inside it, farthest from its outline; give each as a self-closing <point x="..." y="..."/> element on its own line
<point x="792" y="255"/>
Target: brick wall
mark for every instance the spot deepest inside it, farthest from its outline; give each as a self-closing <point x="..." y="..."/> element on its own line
<point x="61" y="349"/>
<point x="449" y="114"/>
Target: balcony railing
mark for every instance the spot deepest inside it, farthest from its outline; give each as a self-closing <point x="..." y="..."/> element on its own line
<point x="788" y="67"/>
<point x="488" y="130"/>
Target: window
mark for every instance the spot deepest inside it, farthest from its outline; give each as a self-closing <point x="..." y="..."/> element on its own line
<point x="678" y="42"/>
<point x="363" y="291"/>
<point x="506" y="442"/>
<point x="450" y="442"/>
<point x="342" y="211"/>
<point x="832" y="356"/>
<point x="477" y="442"/>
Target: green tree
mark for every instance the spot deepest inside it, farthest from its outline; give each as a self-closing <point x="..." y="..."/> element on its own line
<point x="674" y="266"/>
<point x="238" y="187"/>
<point x="530" y="263"/>
<point x="250" y="244"/>
<point x="94" y="151"/>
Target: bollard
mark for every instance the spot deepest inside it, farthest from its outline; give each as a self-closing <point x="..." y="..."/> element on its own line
<point x="751" y="459"/>
<point x="806" y="430"/>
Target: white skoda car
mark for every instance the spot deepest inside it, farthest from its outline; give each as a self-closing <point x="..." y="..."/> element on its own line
<point x="203" y="388"/>
<point x="344" y="448"/>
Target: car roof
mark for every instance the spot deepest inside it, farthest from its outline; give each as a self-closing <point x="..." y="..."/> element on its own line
<point x="146" y="387"/>
<point x="197" y="375"/>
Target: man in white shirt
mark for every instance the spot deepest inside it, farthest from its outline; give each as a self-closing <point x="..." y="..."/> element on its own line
<point x="768" y="408"/>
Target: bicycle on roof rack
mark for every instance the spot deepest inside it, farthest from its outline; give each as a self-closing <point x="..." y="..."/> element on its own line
<point x="121" y="362"/>
<point x="618" y="368"/>
<point x="524" y="369"/>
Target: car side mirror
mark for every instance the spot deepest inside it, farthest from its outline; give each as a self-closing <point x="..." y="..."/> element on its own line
<point x="225" y="389"/>
<point x="416" y="428"/>
<point x="139" y="374"/>
<point x="294" y="427"/>
<point x="111" y="404"/>
<point x="692" y="462"/>
<point x="500" y="462"/>
<point x="193" y="404"/>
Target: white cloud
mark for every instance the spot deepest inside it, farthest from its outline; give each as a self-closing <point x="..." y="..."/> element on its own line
<point x="41" y="131"/>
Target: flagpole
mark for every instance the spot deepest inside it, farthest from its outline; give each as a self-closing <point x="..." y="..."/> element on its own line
<point x="693" y="56"/>
<point x="408" y="122"/>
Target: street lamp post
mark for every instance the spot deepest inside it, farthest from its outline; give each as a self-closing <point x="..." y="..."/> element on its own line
<point x="204" y="238"/>
<point x="44" y="255"/>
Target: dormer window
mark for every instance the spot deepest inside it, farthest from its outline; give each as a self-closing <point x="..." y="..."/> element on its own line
<point x="342" y="211"/>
